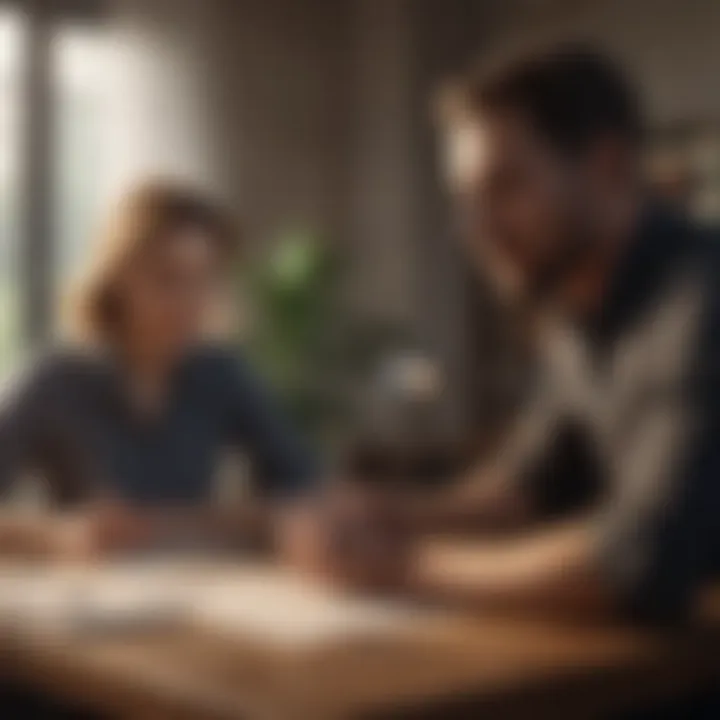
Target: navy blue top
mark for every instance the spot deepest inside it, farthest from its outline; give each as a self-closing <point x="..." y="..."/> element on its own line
<point x="69" y="418"/>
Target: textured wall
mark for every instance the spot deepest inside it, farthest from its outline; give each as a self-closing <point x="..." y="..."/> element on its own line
<point x="671" y="47"/>
<point x="312" y="113"/>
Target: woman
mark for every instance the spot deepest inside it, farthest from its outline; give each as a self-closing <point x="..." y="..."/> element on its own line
<point x="136" y="414"/>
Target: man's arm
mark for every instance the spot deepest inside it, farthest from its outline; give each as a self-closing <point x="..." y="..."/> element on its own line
<point x="644" y="552"/>
<point x="549" y="572"/>
<point x="652" y="543"/>
<point x="494" y="495"/>
<point x="485" y="501"/>
<point x="355" y="532"/>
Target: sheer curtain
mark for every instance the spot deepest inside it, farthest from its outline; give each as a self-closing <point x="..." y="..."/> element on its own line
<point x="93" y="98"/>
<point x="12" y="47"/>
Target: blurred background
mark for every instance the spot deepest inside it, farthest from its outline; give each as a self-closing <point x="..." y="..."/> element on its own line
<point x="313" y="121"/>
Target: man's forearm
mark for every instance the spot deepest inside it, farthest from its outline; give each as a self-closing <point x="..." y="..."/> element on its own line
<point x="471" y="507"/>
<point x="549" y="573"/>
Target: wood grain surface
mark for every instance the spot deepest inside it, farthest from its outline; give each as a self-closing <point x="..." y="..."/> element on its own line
<point x="506" y="668"/>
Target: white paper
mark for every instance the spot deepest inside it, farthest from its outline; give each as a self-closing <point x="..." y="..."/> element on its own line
<point x="241" y="601"/>
<point x="288" y="611"/>
<point x="61" y="600"/>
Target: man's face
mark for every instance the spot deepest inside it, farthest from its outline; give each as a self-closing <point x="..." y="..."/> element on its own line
<point x="524" y="205"/>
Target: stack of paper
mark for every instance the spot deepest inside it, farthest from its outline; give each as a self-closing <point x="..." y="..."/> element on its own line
<point x="266" y="606"/>
<point x="288" y="611"/>
<point x="61" y="600"/>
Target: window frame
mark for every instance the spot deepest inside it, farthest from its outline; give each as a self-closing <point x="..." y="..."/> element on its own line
<point x="36" y="247"/>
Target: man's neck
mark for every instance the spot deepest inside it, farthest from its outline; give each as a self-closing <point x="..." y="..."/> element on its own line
<point x="585" y="290"/>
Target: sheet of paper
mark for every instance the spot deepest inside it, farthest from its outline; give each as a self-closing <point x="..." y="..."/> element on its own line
<point x="290" y="612"/>
<point x="74" y="599"/>
<point x="241" y="601"/>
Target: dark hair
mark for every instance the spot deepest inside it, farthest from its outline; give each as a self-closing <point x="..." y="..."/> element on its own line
<point x="571" y="94"/>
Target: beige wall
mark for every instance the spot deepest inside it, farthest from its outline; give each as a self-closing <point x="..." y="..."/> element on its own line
<point x="381" y="224"/>
<point x="312" y="113"/>
<point x="245" y="96"/>
<point x="162" y="106"/>
<point x="670" y="46"/>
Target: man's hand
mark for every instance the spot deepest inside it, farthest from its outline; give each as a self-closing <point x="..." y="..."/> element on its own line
<point x="353" y="537"/>
<point x="550" y="572"/>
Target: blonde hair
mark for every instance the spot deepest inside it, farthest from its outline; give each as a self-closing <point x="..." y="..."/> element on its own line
<point x="147" y="214"/>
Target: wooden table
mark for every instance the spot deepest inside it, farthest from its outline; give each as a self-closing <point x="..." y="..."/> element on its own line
<point x="499" y="668"/>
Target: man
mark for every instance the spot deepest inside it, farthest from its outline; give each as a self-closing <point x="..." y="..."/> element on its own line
<point x="623" y="301"/>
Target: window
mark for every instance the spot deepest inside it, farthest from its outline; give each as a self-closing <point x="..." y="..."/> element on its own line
<point x="12" y="40"/>
<point x="52" y="117"/>
<point x="79" y="72"/>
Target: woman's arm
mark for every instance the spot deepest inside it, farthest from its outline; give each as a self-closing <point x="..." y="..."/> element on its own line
<point x="22" y="413"/>
<point x="248" y="527"/>
<point x="282" y="463"/>
<point x="283" y="471"/>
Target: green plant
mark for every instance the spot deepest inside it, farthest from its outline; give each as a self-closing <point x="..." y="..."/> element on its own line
<point x="315" y="349"/>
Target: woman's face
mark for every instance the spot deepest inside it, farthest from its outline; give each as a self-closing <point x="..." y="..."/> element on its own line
<point x="169" y="290"/>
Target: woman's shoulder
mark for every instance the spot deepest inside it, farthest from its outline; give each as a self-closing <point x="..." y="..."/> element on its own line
<point x="64" y="361"/>
<point x="50" y="369"/>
